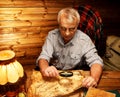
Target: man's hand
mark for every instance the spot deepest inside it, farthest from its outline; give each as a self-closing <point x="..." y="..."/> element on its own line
<point x="95" y="73"/>
<point x="89" y="82"/>
<point x="50" y="71"/>
<point x="46" y="70"/>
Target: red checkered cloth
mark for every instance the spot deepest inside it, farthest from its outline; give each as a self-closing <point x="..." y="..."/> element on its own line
<point x="91" y="24"/>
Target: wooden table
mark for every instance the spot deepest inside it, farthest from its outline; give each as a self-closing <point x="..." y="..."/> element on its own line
<point x="110" y="80"/>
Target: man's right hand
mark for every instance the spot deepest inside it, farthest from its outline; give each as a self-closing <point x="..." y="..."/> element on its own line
<point x="50" y="71"/>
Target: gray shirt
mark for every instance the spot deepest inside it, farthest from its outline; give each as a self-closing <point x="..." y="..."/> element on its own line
<point x="70" y="55"/>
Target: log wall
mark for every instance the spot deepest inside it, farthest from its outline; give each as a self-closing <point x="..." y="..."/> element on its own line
<point x="24" y="24"/>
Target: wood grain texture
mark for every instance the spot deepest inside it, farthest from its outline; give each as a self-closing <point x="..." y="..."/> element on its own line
<point x="106" y="78"/>
<point x="27" y="22"/>
<point x="110" y="80"/>
<point x="93" y="92"/>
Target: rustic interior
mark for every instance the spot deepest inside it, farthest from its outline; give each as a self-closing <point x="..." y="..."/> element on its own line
<point x="24" y="24"/>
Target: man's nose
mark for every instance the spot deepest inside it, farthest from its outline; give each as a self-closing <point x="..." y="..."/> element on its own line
<point x="67" y="32"/>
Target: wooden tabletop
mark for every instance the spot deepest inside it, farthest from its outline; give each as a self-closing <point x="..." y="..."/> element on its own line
<point x="110" y="80"/>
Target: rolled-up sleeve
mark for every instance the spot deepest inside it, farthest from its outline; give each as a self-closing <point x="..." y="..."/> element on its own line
<point x="47" y="49"/>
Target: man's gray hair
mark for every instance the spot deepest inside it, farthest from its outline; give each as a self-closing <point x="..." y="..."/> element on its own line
<point x="70" y="13"/>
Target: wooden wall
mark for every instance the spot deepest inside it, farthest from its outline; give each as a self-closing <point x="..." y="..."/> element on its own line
<point x="24" y="24"/>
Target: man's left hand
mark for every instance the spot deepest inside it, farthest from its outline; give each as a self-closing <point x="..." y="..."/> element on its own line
<point x="89" y="81"/>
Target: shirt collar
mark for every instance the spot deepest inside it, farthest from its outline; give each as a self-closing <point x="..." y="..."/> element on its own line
<point x="71" y="42"/>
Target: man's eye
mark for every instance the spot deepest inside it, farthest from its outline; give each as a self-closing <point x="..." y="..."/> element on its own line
<point x="62" y="28"/>
<point x="71" y="29"/>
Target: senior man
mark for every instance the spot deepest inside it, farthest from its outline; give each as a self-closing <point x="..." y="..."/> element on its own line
<point x="66" y="47"/>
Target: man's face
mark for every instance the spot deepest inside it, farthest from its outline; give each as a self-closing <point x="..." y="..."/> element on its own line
<point x="67" y="29"/>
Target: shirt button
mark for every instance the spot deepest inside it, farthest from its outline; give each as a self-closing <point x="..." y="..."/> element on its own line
<point x="63" y="56"/>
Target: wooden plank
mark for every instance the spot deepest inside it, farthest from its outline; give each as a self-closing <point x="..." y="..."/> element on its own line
<point x="59" y="1"/>
<point x="109" y="82"/>
<point x="113" y="74"/>
<point x="27" y="52"/>
<point x="27" y="3"/>
<point x="28" y="17"/>
<point x="46" y="29"/>
<point x="32" y="51"/>
<point x="28" y="41"/>
<point x="107" y="74"/>
<point x="11" y="36"/>
<point x="59" y="4"/>
<point x="14" y="4"/>
<point x="33" y="29"/>
<point x="27" y="60"/>
<point x="109" y="88"/>
<point x="18" y="23"/>
<point x="22" y="10"/>
<point x="19" y="47"/>
<point x="26" y="29"/>
<point x="4" y="47"/>
<point x="36" y="10"/>
<point x="6" y="30"/>
<point x="93" y="92"/>
<point x="8" y="42"/>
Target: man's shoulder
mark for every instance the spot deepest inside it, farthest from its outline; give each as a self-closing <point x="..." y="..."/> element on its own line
<point x="54" y="32"/>
<point x="82" y="35"/>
